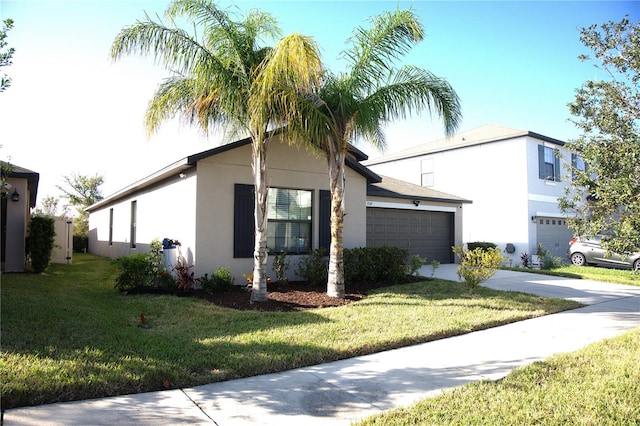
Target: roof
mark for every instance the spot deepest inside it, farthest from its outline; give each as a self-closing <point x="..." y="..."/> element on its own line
<point x="191" y="161"/>
<point x="394" y="188"/>
<point x="32" y="178"/>
<point x="478" y="136"/>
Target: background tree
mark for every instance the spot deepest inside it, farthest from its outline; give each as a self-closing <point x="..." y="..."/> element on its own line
<point x="357" y="103"/>
<point x="50" y="206"/>
<point x="81" y="192"/>
<point x="223" y="76"/>
<point x="605" y="195"/>
<point x="5" y="55"/>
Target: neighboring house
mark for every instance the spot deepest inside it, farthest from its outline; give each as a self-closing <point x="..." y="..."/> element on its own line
<point x="206" y="202"/>
<point x="18" y="197"/>
<point x="514" y="178"/>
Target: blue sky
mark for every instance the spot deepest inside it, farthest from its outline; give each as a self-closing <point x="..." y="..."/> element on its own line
<point x="71" y="109"/>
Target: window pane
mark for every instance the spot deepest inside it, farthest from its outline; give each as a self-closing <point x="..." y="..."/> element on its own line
<point x="289" y="220"/>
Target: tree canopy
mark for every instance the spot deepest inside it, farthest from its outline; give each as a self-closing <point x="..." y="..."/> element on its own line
<point x="5" y="55"/>
<point x="605" y="195"/>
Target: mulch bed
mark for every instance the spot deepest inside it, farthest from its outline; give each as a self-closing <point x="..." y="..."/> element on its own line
<point x="294" y="296"/>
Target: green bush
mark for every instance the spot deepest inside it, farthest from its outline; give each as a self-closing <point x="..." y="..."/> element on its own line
<point x="477" y="265"/>
<point x="481" y="245"/>
<point x="281" y="265"/>
<point x="40" y="242"/>
<point x="135" y="272"/>
<point x="219" y="282"/>
<point x="415" y="263"/>
<point x="313" y="267"/>
<point x="375" y="264"/>
<point x="80" y="243"/>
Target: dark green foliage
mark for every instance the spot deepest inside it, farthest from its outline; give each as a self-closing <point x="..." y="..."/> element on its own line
<point x="41" y="238"/>
<point x="606" y="111"/>
<point x="135" y="272"/>
<point x="219" y="282"/>
<point x="481" y="245"/>
<point x="313" y="267"/>
<point x="375" y="264"/>
<point x="80" y="244"/>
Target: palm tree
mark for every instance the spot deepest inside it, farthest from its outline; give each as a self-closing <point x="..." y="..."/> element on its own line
<point x="356" y="104"/>
<point x="223" y="77"/>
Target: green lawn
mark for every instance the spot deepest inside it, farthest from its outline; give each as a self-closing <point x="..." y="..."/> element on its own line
<point x="596" y="273"/>
<point x="67" y="334"/>
<point x="599" y="385"/>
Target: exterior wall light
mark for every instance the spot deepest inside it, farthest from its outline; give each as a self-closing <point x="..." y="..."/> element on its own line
<point x="416" y="202"/>
<point x="533" y="219"/>
<point x="15" y="196"/>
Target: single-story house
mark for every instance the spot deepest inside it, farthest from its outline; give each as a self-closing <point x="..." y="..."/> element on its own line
<point x="206" y="202"/>
<point x="514" y="177"/>
<point x="19" y="193"/>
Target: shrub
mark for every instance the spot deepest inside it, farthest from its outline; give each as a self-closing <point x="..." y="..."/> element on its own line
<point x="481" y="245"/>
<point x="281" y="266"/>
<point x="547" y="261"/>
<point x="525" y="259"/>
<point x="375" y="264"/>
<point x="219" y="282"/>
<point x="415" y="263"/>
<point x="314" y="267"/>
<point x="40" y="242"/>
<point x="477" y="265"/>
<point x="135" y="272"/>
<point x="435" y="264"/>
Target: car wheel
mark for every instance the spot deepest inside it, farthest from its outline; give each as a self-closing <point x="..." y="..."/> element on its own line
<point x="636" y="265"/>
<point x="578" y="259"/>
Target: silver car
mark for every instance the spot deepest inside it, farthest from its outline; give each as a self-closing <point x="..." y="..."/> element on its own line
<point x="588" y="250"/>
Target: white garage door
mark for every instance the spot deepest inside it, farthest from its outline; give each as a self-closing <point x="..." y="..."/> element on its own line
<point x="554" y="235"/>
<point x="428" y="234"/>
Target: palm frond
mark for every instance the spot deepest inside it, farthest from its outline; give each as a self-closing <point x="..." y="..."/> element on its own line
<point x="374" y="50"/>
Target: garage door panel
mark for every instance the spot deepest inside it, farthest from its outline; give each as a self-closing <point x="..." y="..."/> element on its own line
<point x="428" y="234"/>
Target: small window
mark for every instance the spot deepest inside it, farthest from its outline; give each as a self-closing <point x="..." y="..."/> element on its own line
<point x="110" y="227"/>
<point x="134" y="225"/>
<point x="578" y="165"/>
<point x="553" y="222"/>
<point x="289" y="215"/>
<point x="547" y="222"/>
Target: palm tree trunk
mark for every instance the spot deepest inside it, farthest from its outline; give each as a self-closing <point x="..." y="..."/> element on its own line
<point x="259" y="286"/>
<point x="335" y="282"/>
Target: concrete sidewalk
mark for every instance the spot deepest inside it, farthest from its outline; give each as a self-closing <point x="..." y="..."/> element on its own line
<point x="338" y="393"/>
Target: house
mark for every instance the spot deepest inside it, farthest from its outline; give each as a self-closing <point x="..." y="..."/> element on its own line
<point x="19" y="193"/>
<point x="514" y="178"/>
<point x="206" y="202"/>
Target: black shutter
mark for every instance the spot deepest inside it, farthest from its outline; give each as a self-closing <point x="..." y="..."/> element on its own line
<point x="541" y="167"/>
<point x="324" y="221"/>
<point x="557" y="173"/>
<point x="243" y="222"/>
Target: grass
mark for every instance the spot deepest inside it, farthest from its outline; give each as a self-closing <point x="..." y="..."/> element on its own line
<point x="596" y="273"/>
<point x="68" y="335"/>
<point x="598" y="385"/>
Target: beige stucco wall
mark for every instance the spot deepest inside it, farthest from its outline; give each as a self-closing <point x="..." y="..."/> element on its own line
<point x="205" y="198"/>
<point x="287" y="167"/>
<point x="17" y="223"/>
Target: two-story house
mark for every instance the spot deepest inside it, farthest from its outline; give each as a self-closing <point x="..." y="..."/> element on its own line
<point x="514" y="178"/>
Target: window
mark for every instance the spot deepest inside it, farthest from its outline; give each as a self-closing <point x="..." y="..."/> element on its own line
<point x="110" y="227"/>
<point x="134" y="214"/>
<point x="577" y="165"/>
<point x="289" y="216"/>
<point x="290" y="221"/>
<point x="548" y="163"/>
<point x="427" y="175"/>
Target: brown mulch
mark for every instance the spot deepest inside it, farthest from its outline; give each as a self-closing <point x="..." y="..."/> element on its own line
<point x="294" y="296"/>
